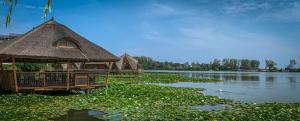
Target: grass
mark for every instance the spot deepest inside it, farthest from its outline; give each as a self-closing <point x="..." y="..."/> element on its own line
<point x="134" y="100"/>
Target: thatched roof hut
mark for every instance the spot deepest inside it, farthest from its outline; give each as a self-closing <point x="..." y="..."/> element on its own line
<point x="127" y="62"/>
<point x="52" y="42"/>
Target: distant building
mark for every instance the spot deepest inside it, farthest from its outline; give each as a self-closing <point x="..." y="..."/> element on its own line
<point x="9" y="37"/>
<point x="126" y="64"/>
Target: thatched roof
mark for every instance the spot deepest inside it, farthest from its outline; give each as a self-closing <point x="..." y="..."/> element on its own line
<point x="39" y="45"/>
<point x="9" y="37"/>
<point x="127" y="62"/>
<point x="5" y="40"/>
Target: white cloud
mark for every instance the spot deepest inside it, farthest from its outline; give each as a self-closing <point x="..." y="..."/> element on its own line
<point x="29" y="7"/>
<point x="287" y="14"/>
<point x="199" y="33"/>
<point x="285" y="11"/>
<point x="239" y="7"/>
<point x="159" y="9"/>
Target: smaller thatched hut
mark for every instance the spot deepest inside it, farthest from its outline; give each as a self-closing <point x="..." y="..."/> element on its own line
<point x="126" y="64"/>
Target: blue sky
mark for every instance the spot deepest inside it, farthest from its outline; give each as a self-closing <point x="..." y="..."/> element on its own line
<point x="176" y="30"/>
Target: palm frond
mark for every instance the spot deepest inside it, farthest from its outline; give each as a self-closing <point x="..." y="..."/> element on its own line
<point x="47" y="8"/>
<point x="13" y="3"/>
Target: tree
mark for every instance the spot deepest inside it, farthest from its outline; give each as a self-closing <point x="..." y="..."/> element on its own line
<point x="13" y="3"/>
<point x="245" y="64"/>
<point x="255" y="64"/>
<point x="216" y="65"/>
<point x="186" y="65"/>
<point x="291" y="65"/>
<point x="270" y="65"/>
<point x="234" y="64"/>
<point x="226" y="64"/>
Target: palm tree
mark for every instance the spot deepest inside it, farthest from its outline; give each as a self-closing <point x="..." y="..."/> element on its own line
<point x="13" y="3"/>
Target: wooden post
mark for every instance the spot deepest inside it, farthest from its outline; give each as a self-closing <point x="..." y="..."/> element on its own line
<point x="15" y="73"/>
<point x="68" y="76"/>
<point x="1" y="64"/>
<point x="107" y="75"/>
<point x="88" y="79"/>
<point x="44" y="80"/>
<point x="83" y="66"/>
<point x="1" y="72"/>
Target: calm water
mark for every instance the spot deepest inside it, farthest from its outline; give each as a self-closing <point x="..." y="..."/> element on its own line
<point x="88" y="115"/>
<point x="254" y="87"/>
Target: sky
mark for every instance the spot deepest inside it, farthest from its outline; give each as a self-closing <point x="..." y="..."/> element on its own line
<point x="175" y="30"/>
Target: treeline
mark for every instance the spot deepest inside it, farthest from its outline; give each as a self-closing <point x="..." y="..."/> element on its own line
<point x="148" y="63"/>
<point x="226" y="64"/>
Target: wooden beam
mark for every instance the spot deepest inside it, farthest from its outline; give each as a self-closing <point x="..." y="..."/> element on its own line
<point x="1" y="64"/>
<point x="68" y="76"/>
<point x="88" y="79"/>
<point x="15" y="73"/>
<point x="1" y="72"/>
<point x="44" y="80"/>
<point x="83" y="66"/>
<point x="107" y="75"/>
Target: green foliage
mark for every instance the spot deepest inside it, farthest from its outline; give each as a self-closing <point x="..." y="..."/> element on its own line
<point x="158" y="78"/>
<point x="271" y="65"/>
<point x="291" y="66"/>
<point x="135" y="100"/>
<point x="31" y="67"/>
<point x="13" y="3"/>
<point x="230" y="64"/>
<point x="245" y="64"/>
<point x="226" y="64"/>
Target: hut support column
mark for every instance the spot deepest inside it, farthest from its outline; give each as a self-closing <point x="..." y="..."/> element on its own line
<point x="68" y="76"/>
<point x="1" y="72"/>
<point x="1" y="64"/>
<point x="15" y="73"/>
<point x="107" y="75"/>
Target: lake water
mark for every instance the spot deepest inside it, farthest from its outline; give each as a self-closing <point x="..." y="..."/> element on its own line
<point x="250" y="87"/>
<point x="88" y="115"/>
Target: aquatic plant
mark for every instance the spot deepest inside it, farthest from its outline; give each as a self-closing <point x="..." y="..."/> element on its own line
<point x="129" y="97"/>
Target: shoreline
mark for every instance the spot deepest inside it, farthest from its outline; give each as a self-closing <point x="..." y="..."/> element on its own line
<point x="174" y="71"/>
<point x="141" y="102"/>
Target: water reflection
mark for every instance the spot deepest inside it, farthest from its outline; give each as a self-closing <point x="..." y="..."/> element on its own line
<point x="293" y="82"/>
<point x="292" y="79"/>
<point x="226" y="76"/>
<point x="82" y="115"/>
<point x="88" y="115"/>
<point x="249" y="78"/>
<point x="255" y="87"/>
<point x="230" y="77"/>
<point x="270" y="78"/>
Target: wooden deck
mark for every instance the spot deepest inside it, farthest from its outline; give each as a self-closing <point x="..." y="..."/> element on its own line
<point x="51" y="81"/>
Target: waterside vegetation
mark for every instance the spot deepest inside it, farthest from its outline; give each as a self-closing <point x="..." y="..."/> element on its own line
<point x="134" y="99"/>
<point x="226" y="64"/>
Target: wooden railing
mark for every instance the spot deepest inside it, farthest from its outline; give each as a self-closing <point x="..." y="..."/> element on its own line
<point x="56" y="79"/>
<point x="53" y="80"/>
